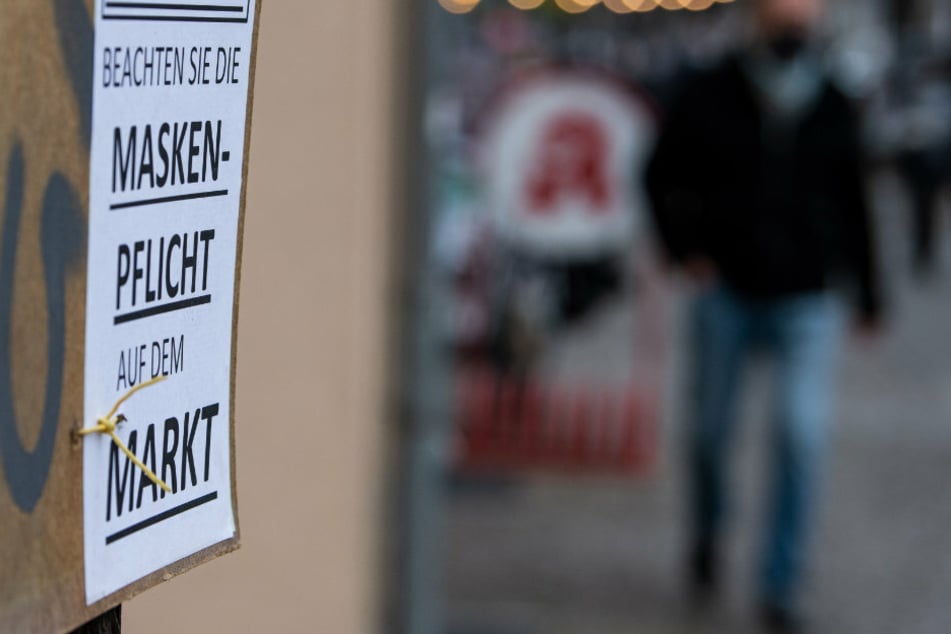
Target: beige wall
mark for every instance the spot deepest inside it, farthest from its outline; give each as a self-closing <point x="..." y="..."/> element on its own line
<point x="310" y="373"/>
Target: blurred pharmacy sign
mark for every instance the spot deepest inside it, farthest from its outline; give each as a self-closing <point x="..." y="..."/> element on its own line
<point x="558" y="299"/>
<point x="561" y="154"/>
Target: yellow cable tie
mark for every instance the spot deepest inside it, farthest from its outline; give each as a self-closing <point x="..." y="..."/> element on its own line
<point x="107" y="425"/>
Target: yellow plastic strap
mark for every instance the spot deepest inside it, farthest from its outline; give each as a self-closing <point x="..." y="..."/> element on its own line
<point x="107" y="425"/>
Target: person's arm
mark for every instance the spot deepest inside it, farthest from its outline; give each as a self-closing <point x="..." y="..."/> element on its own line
<point x="674" y="201"/>
<point x="861" y="234"/>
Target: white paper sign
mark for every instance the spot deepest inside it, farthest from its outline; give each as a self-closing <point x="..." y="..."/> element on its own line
<point x="169" y="115"/>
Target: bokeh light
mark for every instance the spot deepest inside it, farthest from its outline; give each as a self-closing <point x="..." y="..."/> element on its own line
<point x="575" y="6"/>
<point x="581" y="6"/>
<point x="526" y="4"/>
<point x="458" y="6"/>
<point x="619" y="6"/>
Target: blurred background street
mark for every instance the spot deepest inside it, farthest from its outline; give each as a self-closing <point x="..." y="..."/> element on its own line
<point x="559" y="555"/>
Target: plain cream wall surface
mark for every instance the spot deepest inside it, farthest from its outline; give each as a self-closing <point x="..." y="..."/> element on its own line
<point x="311" y="337"/>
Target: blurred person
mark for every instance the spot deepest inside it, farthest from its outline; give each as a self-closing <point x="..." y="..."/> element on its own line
<point x="757" y="189"/>
<point x="921" y="100"/>
<point x="922" y="168"/>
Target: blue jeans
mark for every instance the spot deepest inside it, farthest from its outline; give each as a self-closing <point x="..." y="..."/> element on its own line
<point x="801" y="335"/>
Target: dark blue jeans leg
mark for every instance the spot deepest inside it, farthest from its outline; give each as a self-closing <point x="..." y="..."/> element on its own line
<point x="720" y="331"/>
<point x="804" y="334"/>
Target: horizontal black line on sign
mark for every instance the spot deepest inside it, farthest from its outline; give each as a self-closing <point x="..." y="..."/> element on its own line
<point x="172" y="18"/>
<point x="161" y="517"/>
<point x="164" y="308"/>
<point x="168" y="199"/>
<point x="174" y="7"/>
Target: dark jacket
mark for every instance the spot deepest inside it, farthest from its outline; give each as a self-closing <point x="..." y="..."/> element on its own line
<point x="780" y="210"/>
